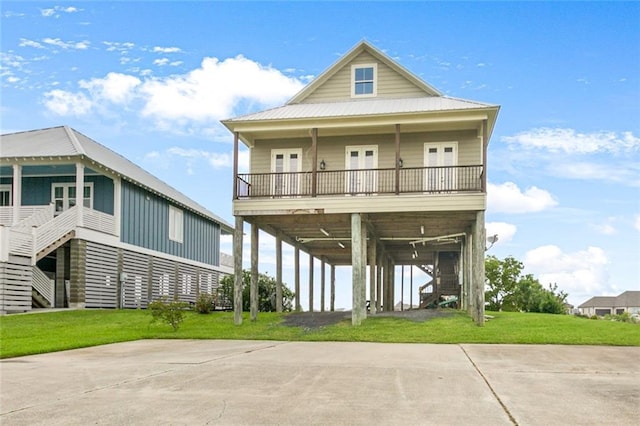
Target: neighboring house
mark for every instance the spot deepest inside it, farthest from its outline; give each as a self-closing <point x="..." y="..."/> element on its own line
<point x="370" y="165"/>
<point x="122" y="240"/>
<point x="629" y="301"/>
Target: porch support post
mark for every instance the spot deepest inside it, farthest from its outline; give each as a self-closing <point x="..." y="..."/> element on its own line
<point x="485" y="145"/>
<point x="379" y="279"/>
<point x="402" y="288"/>
<point x="237" y="270"/>
<point x="322" y="290"/>
<point x="278" y="273"/>
<point x="478" y="269"/>
<point x="410" y="286"/>
<point x="254" y="272"/>
<point x="333" y="288"/>
<point x="235" y="165"/>
<point x="310" y="283"/>
<point x="296" y="267"/>
<point x="314" y="161"/>
<point x="373" y="262"/>
<point x="392" y="284"/>
<point x="469" y="271"/>
<point x="16" y="193"/>
<point x="385" y="284"/>
<point x="358" y="268"/>
<point x="80" y="192"/>
<point x="397" y="159"/>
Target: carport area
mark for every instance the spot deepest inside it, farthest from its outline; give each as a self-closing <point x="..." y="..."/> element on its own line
<point x="263" y="382"/>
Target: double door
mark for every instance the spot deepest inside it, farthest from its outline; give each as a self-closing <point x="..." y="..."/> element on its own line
<point x="440" y="160"/>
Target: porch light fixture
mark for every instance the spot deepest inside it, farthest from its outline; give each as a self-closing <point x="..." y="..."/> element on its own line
<point x="341" y="245"/>
<point x="421" y="229"/>
<point x="325" y="232"/>
<point x="323" y="165"/>
<point x="400" y="162"/>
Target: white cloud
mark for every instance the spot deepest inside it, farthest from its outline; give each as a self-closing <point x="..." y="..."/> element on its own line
<point x="504" y="231"/>
<point x="625" y="173"/>
<point x="115" y="87"/>
<point x="159" y="49"/>
<point x="54" y="11"/>
<point x="183" y="103"/>
<point x="508" y="198"/>
<point x="80" y="45"/>
<point x="571" y="142"/>
<point x="30" y="43"/>
<point x="581" y="274"/>
<point x="66" y="103"/>
<point x="212" y="91"/>
<point x="636" y="223"/>
<point x="161" y="62"/>
<point x="192" y="156"/>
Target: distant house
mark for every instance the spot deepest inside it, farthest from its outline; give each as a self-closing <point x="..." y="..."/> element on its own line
<point x="629" y="301"/>
<point x="372" y="167"/>
<point x="82" y="226"/>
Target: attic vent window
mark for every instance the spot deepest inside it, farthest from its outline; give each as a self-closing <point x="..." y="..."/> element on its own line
<point x="364" y="80"/>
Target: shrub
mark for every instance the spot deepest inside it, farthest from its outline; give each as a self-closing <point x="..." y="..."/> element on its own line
<point x="168" y="311"/>
<point x="204" y="303"/>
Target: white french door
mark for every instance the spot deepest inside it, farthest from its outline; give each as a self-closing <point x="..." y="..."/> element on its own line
<point x="361" y="162"/>
<point x="440" y="159"/>
<point x="286" y="164"/>
<point x="64" y="196"/>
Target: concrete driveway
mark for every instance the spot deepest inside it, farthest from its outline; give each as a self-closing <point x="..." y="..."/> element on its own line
<point x="259" y="382"/>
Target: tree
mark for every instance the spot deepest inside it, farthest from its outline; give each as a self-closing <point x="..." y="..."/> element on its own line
<point x="502" y="277"/>
<point x="266" y="292"/>
<point x="508" y="290"/>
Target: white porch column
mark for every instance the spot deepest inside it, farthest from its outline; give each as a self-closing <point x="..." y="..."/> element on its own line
<point x="358" y="267"/>
<point x="296" y="267"/>
<point x="310" y="283"/>
<point x="16" y="193"/>
<point x="80" y="192"/>
<point x="333" y="288"/>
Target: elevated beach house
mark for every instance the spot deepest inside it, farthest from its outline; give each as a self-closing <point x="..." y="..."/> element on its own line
<point x="81" y="226"/>
<point x="370" y="166"/>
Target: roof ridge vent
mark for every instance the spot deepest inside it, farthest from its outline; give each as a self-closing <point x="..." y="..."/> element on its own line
<point x="74" y="140"/>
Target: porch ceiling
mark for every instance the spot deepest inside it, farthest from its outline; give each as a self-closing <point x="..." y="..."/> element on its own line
<point x="392" y="231"/>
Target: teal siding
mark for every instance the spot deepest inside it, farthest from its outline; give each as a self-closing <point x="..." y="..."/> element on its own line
<point x="36" y="190"/>
<point x="145" y="223"/>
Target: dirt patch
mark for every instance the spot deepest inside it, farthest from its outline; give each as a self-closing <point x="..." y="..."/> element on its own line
<point x="322" y="319"/>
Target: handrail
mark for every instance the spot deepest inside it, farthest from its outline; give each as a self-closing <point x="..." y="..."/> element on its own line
<point x="40" y="216"/>
<point x="425" y="180"/>
<point x="62" y="224"/>
<point x="41" y="282"/>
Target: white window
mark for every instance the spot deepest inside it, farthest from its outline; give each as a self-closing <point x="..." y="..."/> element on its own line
<point x="176" y="224"/>
<point x="364" y="80"/>
<point x="5" y="195"/>
<point x="64" y="196"/>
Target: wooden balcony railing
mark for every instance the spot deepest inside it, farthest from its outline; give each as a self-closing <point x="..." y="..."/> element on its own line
<point x="357" y="182"/>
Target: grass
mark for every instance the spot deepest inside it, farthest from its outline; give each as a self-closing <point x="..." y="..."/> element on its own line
<point x="55" y="331"/>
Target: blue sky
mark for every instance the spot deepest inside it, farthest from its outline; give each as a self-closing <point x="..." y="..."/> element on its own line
<point x="151" y="80"/>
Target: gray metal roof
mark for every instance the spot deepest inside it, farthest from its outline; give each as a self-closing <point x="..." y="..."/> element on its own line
<point x="63" y="141"/>
<point x="623" y="300"/>
<point x="369" y="107"/>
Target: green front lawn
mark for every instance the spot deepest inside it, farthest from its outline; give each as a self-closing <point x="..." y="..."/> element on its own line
<point x="56" y="331"/>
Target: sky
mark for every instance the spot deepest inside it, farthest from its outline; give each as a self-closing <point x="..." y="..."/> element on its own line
<point x="152" y="80"/>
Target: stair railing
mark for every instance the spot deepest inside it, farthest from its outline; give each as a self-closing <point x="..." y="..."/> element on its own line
<point x="43" y="285"/>
<point x="49" y="232"/>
